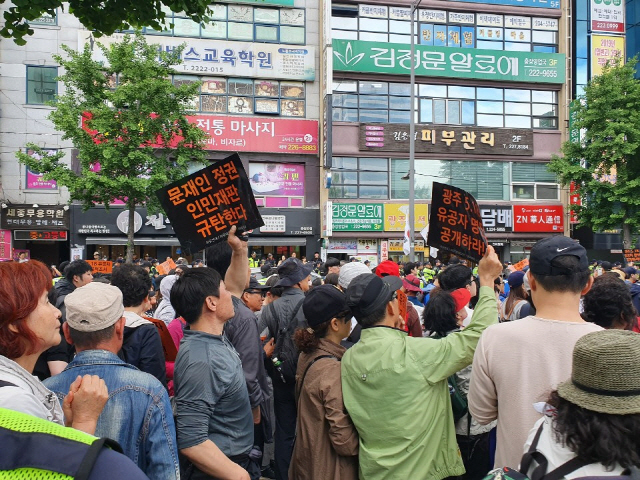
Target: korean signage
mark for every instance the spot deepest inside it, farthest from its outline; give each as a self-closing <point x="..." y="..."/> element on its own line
<point x="395" y="58"/>
<point x="5" y="245"/>
<point x="274" y="224"/>
<point x="224" y="58"/>
<point x="285" y="179"/>
<point x="496" y="218"/>
<point x="396" y="245"/>
<point x="368" y="245"/>
<point x="36" y="235"/>
<point x="607" y="16"/>
<point x="605" y="48"/>
<point x="355" y="217"/>
<point x="34" y="179"/>
<point x="165" y="267"/>
<point x="28" y="217"/>
<point x="247" y="134"/>
<point x="98" y="221"/>
<point x="384" y="250"/>
<point x="101" y="266"/>
<point x="455" y="224"/>
<point x="631" y="255"/>
<point x="538" y="218"/>
<point x="519" y="3"/>
<point x="394" y="137"/>
<point x="206" y="204"/>
<point x="343" y="245"/>
<point x="574" y="199"/>
<point x="395" y="216"/>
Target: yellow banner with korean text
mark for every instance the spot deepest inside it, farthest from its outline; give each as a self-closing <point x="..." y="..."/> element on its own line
<point x="395" y="215"/>
<point x="605" y="48"/>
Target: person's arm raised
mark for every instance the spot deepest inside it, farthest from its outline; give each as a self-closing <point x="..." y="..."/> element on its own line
<point x="235" y="279"/>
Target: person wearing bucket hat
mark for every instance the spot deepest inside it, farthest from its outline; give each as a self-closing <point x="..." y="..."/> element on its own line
<point x="515" y="362"/>
<point x="594" y="419"/>
<point x="283" y="317"/>
<point x="393" y="385"/>
<point x="326" y="441"/>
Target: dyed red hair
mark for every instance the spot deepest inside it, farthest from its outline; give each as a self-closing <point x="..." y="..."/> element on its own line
<point x="21" y="286"/>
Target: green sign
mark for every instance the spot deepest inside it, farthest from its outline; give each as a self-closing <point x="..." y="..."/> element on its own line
<point x="394" y="58"/>
<point x="574" y="133"/>
<point x="284" y="3"/>
<point x="357" y="217"/>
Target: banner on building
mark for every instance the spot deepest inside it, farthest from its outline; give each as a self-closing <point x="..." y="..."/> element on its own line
<point x="5" y="245"/>
<point x="605" y="48"/>
<point x="286" y="179"/>
<point x="519" y="3"/>
<point x="357" y="217"/>
<point x="205" y="205"/>
<point x="455" y="224"/>
<point x="395" y="215"/>
<point x="34" y="179"/>
<point x="607" y="16"/>
<point x="33" y="217"/>
<point x="496" y="218"/>
<point x="538" y="218"/>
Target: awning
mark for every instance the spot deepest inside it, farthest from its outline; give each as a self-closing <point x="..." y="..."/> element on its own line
<point x="278" y="241"/>
<point x="157" y="241"/>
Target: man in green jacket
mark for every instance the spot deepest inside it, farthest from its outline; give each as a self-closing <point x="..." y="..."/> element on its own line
<point x="395" y="386"/>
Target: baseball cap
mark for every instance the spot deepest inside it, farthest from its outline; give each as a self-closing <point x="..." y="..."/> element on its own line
<point x="350" y="271"/>
<point x="516" y="279"/>
<point x="461" y="297"/>
<point x="255" y="285"/>
<point x="545" y="251"/>
<point x="411" y="283"/>
<point x="606" y="265"/>
<point x="368" y="292"/>
<point x="94" y="307"/>
<point x="630" y="271"/>
<point x="388" y="268"/>
<point x="323" y="303"/>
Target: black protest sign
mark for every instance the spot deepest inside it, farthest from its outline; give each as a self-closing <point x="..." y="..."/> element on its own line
<point x="632" y="255"/>
<point x="205" y="205"/>
<point x="455" y="223"/>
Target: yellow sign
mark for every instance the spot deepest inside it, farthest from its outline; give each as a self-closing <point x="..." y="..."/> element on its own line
<point x="395" y="216"/>
<point x="395" y="245"/>
<point x="603" y="49"/>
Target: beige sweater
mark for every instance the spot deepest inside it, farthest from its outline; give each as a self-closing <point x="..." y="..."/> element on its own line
<point x="517" y="364"/>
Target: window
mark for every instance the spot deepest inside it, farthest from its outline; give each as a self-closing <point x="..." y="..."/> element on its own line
<point x="42" y="86"/>
<point x="532" y="181"/>
<point x="240" y="22"/>
<point x="242" y="96"/>
<point x="360" y="178"/>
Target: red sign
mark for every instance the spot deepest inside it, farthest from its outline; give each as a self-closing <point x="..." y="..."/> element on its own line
<point x="265" y="135"/>
<point x="538" y="218"/>
<point x="574" y="199"/>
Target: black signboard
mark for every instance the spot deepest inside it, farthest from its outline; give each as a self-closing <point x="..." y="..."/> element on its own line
<point x="205" y="205"/>
<point x="35" y="217"/>
<point x="632" y="255"/>
<point x="455" y="224"/>
<point x="496" y="218"/>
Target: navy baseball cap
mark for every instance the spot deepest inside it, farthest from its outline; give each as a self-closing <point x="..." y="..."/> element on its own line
<point x="368" y="292"/>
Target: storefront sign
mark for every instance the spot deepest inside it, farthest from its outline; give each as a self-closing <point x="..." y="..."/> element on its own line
<point x="373" y="11"/>
<point x="34" y="179"/>
<point x="205" y="205"/>
<point x="274" y="224"/>
<point x="342" y="245"/>
<point x="285" y="179"/>
<point x="538" y="218"/>
<point x="101" y="266"/>
<point x="496" y="218"/>
<point x="519" y="3"/>
<point x="395" y="216"/>
<point x="357" y="217"/>
<point x="607" y="16"/>
<point x="367" y="245"/>
<point x="28" y="217"/>
<point x="35" y="235"/>
<point x="394" y="137"/>
<point x="384" y="250"/>
<point x="395" y="58"/>
<point x="395" y="245"/>
<point x="574" y="199"/>
<point x="545" y="23"/>
<point x="244" y="134"/>
<point x="224" y="58"/>
<point x="5" y="245"/>
<point x="455" y="224"/>
<point x="605" y="48"/>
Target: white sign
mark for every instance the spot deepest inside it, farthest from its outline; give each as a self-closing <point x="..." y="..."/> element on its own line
<point x="607" y="16"/>
<point x="466" y="18"/>
<point x="511" y="21"/>
<point x="373" y="11"/>
<point x="486" y="19"/>
<point x="274" y="224"/>
<point x="540" y="23"/>
<point x="399" y="13"/>
<point x="384" y="250"/>
<point x="433" y="16"/>
<point x="122" y="222"/>
<point x="220" y="57"/>
<point x="367" y="245"/>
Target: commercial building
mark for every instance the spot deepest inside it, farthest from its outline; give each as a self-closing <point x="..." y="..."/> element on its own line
<point x="490" y="110"/>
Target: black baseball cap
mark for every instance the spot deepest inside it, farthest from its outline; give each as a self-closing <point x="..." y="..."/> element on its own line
<point x="255" y="285"/>
<point x="544" y="253"/>
<point x="368" y="292"/>
<point x="323" y="303"/>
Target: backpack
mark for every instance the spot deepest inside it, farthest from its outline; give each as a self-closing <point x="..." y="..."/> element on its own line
<point x="284" y="361"/>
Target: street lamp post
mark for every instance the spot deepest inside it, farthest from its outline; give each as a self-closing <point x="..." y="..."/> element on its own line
<point x="412" y="134"/>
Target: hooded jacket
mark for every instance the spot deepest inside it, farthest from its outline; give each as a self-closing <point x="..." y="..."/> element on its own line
<point x="142" y="347"/>
<point x="165" y="311"/>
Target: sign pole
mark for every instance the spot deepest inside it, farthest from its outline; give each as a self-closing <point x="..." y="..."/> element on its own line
<point x="412" y="134"/>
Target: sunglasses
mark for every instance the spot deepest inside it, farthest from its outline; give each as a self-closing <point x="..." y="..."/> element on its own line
<point x="260" y="292"/>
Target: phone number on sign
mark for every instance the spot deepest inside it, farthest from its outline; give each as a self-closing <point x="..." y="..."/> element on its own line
<point x="202" y="68"/>
<point x="536" y="72"/>
<point x="311" y="148"/>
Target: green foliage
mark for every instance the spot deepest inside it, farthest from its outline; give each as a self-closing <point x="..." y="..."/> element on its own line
<point x="137" y="131"/>
<point x="605" y="165"/>
<point x="103" y="17"/>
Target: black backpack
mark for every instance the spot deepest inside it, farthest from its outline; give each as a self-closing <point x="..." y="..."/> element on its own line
<point x="284" y="361"/>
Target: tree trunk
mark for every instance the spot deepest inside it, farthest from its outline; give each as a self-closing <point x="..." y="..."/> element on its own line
<point x="130" y="232"/>
<point x="626" y="235"/>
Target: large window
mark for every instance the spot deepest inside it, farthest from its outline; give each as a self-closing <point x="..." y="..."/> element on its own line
<point x="242" y="23"/>
<point x="372" y="101"/>
<point x="360" y="178"/>
<point x="532" y="181"/>
<point x="42" y="86"/>
<point x="447" y="29"/>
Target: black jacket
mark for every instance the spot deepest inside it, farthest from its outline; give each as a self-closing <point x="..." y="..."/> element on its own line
<point x="142" y="348"/>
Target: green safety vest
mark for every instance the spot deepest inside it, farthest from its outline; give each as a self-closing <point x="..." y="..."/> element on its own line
<point x="428" y="274"/>
<point x="254" y="262"/>
<point x="61" y="453"/>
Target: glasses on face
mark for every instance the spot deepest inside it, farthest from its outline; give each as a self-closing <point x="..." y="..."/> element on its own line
<point x="394" y="296"/>
<point x="257" y="292"/>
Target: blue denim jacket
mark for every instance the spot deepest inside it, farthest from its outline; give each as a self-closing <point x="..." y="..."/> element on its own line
<point x="137" y="415"/>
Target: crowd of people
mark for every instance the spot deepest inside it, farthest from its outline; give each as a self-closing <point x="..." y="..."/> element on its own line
<point x="414" y="371"/>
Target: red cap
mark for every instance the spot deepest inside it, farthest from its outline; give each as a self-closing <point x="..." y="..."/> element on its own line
<point x="461" y="296"/>
<point x="411" y="283"/>
<point x="388" y="268"/>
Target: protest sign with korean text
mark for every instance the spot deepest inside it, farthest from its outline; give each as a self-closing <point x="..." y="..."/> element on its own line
<point x="632" y="255"/>
<point x="101" y="266"/>
<point x="455" y="223"/>
<point x="206" y="204"/>
<point x="165" y="267"/>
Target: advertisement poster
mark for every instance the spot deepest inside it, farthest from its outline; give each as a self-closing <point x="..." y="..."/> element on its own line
<point x="356" y="217"/>
<point x="34" y="179"/>
<point x="5" y="245"/>
<point x="538" y="218"/>
<point x="285" y="179"/>
<point x="607" y="16"/>
<point x="205" y="205"/>
<point x="395" y="215"/>
<point x="603" y="49"/>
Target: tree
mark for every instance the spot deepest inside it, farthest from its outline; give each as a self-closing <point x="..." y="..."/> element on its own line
<point x="134" y="137"/>
<point x="605" y="165"/>
<point x="103" y="17"/>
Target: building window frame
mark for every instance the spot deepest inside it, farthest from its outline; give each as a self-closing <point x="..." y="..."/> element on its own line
<point x="41" y="84"/>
